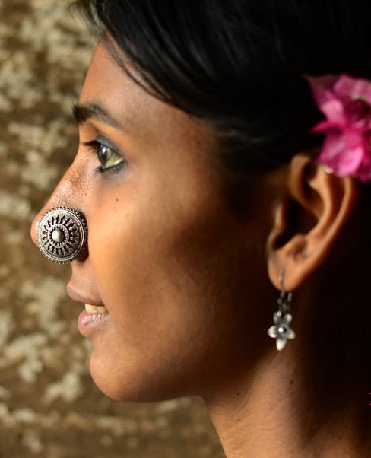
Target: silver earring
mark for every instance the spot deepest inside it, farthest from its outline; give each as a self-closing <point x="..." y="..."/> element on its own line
<point x="62" y="234"/>
<point x="281" y="330"/>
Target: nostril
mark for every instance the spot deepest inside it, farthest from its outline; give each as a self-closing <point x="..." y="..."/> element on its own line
<point x="84" y="254"/>
<point x="62" y="234"/>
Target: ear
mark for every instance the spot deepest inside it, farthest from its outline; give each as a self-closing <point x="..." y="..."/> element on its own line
<point x="307" y="221"/>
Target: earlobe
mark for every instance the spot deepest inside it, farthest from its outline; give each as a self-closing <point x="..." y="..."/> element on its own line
<point x="307" y="220"/>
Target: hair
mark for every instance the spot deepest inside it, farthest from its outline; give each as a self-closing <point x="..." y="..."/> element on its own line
<point x="240" y="65"/>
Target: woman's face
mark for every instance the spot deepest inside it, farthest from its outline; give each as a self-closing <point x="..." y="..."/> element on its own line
<point x="174" y="266"/>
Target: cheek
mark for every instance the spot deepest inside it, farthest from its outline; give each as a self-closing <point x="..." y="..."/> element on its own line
<point x="146" y="240"/>
<point x="174" y="279"/>
<point x="162" y="267"/>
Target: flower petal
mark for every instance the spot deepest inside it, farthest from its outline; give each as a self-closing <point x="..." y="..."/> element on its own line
<point x="272" y="332"/>
<point x="364" y="169"/>
<point x="353" y="88"/>
<point x="346" y="103"/>
<point x="281" y="344"/>
<point x="343" y="154"/>
<point x="333" y="109"/>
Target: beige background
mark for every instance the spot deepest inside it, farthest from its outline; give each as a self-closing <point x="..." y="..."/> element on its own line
<point x="49" y="406"/>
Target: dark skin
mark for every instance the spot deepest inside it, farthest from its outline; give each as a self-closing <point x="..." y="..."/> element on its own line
<point x="191" y="286"/>
<point x="312" y="399"/>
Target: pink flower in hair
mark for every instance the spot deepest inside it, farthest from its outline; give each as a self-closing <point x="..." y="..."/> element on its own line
<point x="346" y="103"/>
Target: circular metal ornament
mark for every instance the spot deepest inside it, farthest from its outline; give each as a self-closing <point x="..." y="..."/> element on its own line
<point x="62" y="234"/>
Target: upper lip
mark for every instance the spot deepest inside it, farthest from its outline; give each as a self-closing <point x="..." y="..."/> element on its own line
<point x="79" y="296"/>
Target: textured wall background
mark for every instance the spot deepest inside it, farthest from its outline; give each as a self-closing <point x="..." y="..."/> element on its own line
<point x="49" y="406"/>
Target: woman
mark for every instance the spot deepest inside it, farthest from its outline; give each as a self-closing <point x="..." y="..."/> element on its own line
<point x="223" y="163"/>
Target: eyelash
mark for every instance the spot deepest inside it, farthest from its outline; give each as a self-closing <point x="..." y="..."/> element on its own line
<point x="96" y="146"/>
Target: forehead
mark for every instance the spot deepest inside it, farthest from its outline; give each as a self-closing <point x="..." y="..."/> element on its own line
<point x="108" y="85"/>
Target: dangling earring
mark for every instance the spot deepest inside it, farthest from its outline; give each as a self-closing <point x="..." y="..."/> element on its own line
<point x="281" y="330"/>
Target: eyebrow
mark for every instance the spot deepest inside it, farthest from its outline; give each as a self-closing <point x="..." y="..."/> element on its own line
<point x="82" y="112"/>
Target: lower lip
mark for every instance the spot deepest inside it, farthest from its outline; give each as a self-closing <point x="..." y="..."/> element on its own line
<point x="90" y="322"/>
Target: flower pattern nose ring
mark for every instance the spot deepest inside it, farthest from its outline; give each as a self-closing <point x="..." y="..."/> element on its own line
<point x="62" y="234"/>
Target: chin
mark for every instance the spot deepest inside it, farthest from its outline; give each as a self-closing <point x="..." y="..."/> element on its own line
<point x="130" y="387"/>
<point x="111" y="382"/>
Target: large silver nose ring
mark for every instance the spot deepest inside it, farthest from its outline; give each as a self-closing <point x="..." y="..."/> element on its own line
<point x="62" y="234"/>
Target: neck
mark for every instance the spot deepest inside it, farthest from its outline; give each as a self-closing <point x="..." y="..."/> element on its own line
<point x="266" y="417"/>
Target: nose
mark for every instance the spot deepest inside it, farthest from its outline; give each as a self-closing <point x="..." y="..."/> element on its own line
<point x="60" y="227"/>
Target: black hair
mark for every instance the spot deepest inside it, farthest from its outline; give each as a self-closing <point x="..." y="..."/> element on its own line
<point x="240" y="65"/>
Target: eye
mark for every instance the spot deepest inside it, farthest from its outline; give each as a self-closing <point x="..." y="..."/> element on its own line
<point x="109" y="157"/>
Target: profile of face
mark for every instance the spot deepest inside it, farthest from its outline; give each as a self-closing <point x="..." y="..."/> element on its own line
<point x="177" y="270"/>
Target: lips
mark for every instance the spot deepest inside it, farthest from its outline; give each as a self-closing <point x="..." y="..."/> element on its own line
<point x="95" y="314"/>
<point x="92" y="302"/>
